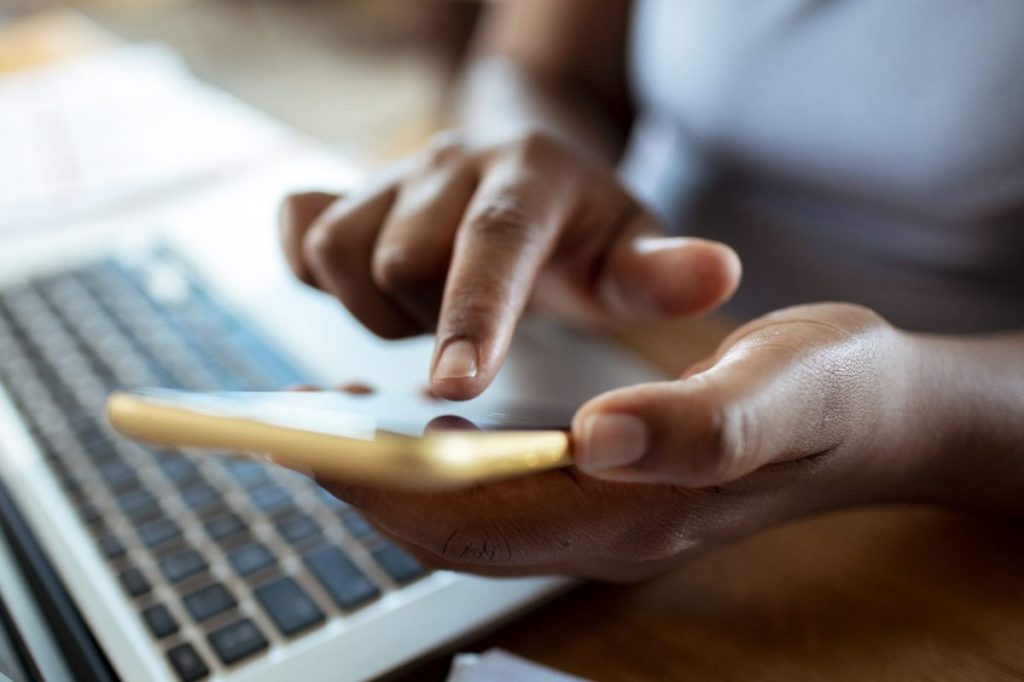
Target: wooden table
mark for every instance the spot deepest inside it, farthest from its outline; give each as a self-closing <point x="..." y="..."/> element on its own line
<point x="874" y="594"/>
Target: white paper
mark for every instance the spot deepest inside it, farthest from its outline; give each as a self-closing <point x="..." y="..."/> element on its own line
<point x="497" y="665"/>
<point x="107" y="128"/>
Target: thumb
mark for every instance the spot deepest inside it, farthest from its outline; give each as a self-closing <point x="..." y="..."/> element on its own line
<point x="648" y="273"/>
<point x="746" y="411"/>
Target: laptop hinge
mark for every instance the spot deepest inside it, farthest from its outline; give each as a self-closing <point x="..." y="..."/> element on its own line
<point x="81" y="652"/>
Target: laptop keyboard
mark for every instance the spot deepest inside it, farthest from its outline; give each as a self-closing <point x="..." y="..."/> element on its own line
<point x="222" y="558"/>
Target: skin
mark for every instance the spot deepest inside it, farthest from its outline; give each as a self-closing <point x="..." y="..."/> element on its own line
<point x="804" y="410"/>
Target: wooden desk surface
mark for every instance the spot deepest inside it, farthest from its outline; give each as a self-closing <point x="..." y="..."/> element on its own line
<point x="875" y="594"/>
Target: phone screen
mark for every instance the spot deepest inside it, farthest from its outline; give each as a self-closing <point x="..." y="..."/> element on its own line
<point x="362" y="417"/>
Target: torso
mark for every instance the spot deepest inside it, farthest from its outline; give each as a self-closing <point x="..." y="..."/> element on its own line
<point x="864" y="151"/>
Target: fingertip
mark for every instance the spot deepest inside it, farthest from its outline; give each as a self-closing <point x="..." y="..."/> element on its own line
<point x="723" y="271"/>
<point x="606" y="441"/>
<point x="456" y="389"/>
<point x="629" y="434"/>
<point x="610" y="432"/>
<point x="674" y="276"/>
<point x="456" y="371"/>
<point x="687" y="276"/>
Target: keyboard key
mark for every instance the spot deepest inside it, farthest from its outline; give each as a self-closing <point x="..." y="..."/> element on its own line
<point x="342" y="579"/>
<point x="251" y="558"/>
<point x="71" y="482"/>
<point x="118" y="475"/>
<point x="266" y="367"/>
<point x="89" y="513"/>
<point x="289" y="606"/>
<point x="248" y="474"/>
<point x="208" y="602"/>
<point x="159" y="620"/>
<point x="182" y="565"/>
<point x="399" y="565"/>
<point x="179" y="469"/>
<point x="201" y="496"/>
<point x="357" y="525"/>
<point x="224" y="526"/>
<point x="299" y="528"/>
<point x="139" y="504"/>
<point x="271" y="499"/>
<point x="85" y="333"/>
<point x="134" y="582"/>
<point x="97" y="446"/>
<point x="237" y="641"/>
<point x="187" y="664"/>
<point x="156" y="533"/>
<point x="111" y="546"/>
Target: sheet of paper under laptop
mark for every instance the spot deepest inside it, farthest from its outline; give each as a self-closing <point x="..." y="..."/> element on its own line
<point x="498" y="665"/>
<point x="113" y="128"/>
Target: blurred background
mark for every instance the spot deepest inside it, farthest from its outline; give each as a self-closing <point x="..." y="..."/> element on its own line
<point x="366" y="77"/>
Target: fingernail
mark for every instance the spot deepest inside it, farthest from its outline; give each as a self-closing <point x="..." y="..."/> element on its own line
<point x="610" y="441"/>
<point x="457" y="361"/>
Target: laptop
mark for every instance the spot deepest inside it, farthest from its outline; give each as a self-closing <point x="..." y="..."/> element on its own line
<point x="133" y="563"/>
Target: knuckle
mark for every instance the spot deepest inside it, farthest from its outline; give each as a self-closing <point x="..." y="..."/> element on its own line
<point x="728" y="437"/>
<point x="327" y="243"/>
<point x="536" y="145"/>
<point x="399" y="269"/>
<point x="298" y="210"/>
<point x="477" y="545"/>
<point x="443" y="148"/>
<point x="505" y="219"/>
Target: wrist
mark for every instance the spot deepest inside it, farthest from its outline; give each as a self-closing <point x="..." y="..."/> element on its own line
<point x="966" y="422"/>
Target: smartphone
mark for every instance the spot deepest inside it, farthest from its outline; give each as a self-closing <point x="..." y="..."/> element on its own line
<point x="408" y="442"/>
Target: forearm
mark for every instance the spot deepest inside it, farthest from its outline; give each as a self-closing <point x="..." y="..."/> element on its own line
<point x="970" y="421"/>
<point x="502" y="99"/>
<point x="553" y="65"/>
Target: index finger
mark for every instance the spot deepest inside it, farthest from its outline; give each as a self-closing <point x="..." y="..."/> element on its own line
<point x="507" y="233"/>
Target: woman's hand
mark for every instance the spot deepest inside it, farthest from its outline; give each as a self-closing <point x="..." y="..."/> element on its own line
<point x="807" y="409"/>
<point x="460" y="238"/>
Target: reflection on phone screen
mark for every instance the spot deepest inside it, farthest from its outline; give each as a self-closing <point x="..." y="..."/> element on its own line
<point x="362" y="416"/>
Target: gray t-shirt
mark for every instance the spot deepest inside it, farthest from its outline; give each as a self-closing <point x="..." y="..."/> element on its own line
<point x="869" y="151"/>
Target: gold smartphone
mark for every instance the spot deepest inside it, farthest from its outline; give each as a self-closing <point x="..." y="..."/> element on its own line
<point x="407" y="442"/>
